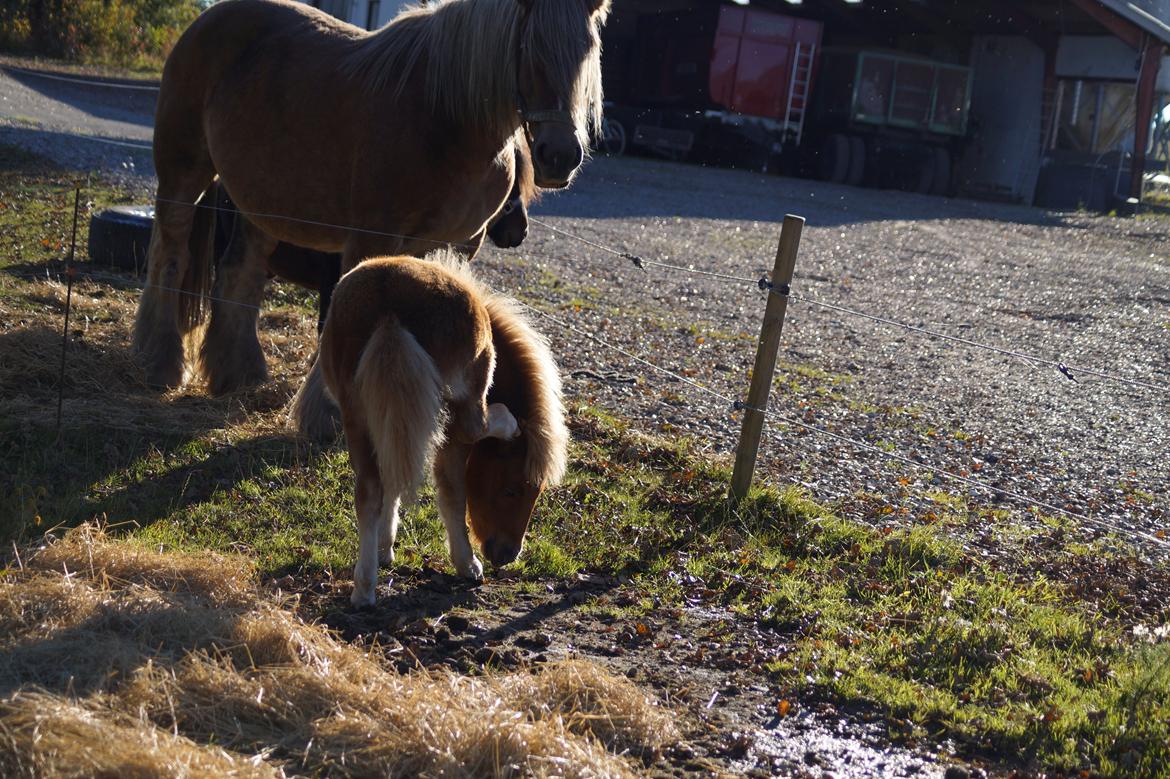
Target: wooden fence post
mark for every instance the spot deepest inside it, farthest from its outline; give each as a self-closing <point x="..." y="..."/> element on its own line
<point x="757" y="400"/>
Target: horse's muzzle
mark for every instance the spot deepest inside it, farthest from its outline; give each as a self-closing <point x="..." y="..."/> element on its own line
<point x="499" y="551"/>
<point x="556" y="155"/>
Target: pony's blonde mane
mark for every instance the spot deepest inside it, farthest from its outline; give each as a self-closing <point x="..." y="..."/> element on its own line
<point x="544" y="417"/>
<point x="469" y="49"/>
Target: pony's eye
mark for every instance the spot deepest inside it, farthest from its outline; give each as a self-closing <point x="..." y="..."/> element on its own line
<point x="511" y="492"/>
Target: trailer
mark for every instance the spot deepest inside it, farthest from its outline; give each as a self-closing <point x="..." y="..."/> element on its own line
<point x="888" y="119"/>
<point x="747" y="87"/>
<point x="722" y="84"/>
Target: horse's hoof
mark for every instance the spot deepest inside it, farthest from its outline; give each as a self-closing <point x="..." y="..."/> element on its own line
<point x="223" y="384"/>
<point x="362" y="599"/>
<point x="161" y="380"/>
<point x="163" y="369"/>
<point x="472" y="571"/>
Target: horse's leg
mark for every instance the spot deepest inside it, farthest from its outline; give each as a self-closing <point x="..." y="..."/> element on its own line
<point x="231" y="357"/>
<point x="368" y="502"/>
<point x="451" y="499"/>
<point x="170" y="298"/>
<point x="389" y="530"/>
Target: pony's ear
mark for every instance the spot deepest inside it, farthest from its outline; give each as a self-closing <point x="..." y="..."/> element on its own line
<point x="600" y="7"/>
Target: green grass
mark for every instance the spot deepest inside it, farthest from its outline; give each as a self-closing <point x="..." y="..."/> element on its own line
<point x="905" y="622"/>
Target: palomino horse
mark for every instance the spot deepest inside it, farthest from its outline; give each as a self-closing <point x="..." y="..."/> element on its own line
<point x="409" y="351"/>
<point x="339" y="140"/>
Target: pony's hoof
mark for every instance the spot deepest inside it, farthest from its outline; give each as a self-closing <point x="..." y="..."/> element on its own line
<point x="473" y="570"/>
<point x="362" y="598"/>
<point x="501" y="423"/>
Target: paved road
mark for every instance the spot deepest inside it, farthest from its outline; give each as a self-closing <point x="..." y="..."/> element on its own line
<point x="80" y="121"/>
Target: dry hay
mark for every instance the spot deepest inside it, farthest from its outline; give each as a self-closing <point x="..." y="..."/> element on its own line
<point x="118" y="660"/>
<point x="101" y="379"/>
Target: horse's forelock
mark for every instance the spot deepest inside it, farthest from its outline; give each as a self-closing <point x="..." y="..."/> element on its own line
<point x="563" y="38"/>
<point x="468" y="49"/>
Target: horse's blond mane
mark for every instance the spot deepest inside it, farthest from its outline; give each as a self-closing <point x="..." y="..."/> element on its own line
<point x="468" y="50"/>
<point x="544" y="418"/>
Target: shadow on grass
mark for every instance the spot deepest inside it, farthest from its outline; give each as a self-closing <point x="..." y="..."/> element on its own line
<point x="122" y="451"/>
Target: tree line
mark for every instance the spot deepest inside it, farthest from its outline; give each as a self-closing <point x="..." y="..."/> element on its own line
<point x="127" y="33"/>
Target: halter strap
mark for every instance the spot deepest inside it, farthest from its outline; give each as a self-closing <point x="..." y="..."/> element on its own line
<point x="539" y="115"/>
<point x="547" y="115"/>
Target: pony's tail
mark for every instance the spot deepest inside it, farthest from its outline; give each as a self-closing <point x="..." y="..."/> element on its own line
<point x="401" y="394"/>
<point x="195" y="286"/>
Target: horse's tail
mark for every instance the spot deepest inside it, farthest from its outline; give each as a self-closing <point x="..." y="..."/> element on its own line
<point x="195" y="286"/>
<point x="401" y="395"/>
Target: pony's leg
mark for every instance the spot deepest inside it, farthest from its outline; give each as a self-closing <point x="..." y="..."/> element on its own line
<point x="451" y="498"/>
<point x="171" y="297"/>
<point x="368" y="501"/>
<point x="389" y="531"/>
<point x="501" y="423"/>
<point x="472" y="419"/>
<point x="231" y="357"/>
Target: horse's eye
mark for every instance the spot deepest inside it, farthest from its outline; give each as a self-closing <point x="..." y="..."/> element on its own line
<point x="511" y="492"/>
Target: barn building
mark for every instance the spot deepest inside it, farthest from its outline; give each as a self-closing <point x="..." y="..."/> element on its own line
<point x="1053" y="102"/>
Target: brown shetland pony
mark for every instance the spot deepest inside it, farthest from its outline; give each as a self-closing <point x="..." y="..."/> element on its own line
<point x="336" y="139"/>
<point x="426" y="364"/>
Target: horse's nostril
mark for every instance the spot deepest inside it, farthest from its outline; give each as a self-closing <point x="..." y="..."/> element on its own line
<point x="500" y="552"/>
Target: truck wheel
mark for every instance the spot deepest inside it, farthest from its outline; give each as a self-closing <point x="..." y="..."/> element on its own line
<point x="922" y="178"/>
<point x="856" y="161"/>
<point x="942" y="172"/>
<point x="120" y="236"/>
<point x="613" y="137"/>
<point x="835" y="158"/>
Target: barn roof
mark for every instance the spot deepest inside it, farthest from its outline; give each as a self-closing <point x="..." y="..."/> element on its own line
<point x="1153" y="16"/>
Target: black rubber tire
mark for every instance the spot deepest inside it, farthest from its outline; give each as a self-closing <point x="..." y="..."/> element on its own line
<point x="942" y="172"/>
<point x="835" y="158"/>
<point x="613" y="139"/>
<point x="856" y="173"/>
<point x="120" y="236"/>
<point x="922" y="178"/>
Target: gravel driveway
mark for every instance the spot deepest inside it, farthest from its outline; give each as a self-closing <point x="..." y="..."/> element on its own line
<point x="1089" y="291"/>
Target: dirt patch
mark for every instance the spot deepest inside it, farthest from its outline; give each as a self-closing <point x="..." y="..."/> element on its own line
<point x="707" y="665"/>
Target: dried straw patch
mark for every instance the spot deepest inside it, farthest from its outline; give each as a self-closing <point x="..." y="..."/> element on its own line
<point x="112" y="646"/>
<point x="45" y="735"/>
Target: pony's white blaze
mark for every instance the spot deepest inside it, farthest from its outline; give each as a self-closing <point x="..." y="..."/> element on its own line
<point x="402" y="333"/>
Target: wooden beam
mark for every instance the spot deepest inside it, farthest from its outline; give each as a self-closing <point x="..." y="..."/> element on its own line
<point x="1152" y="52"/>
<point x="1119" y="26"/>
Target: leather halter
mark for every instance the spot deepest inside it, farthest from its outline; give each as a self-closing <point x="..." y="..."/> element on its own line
<point x="536" y="116"/>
